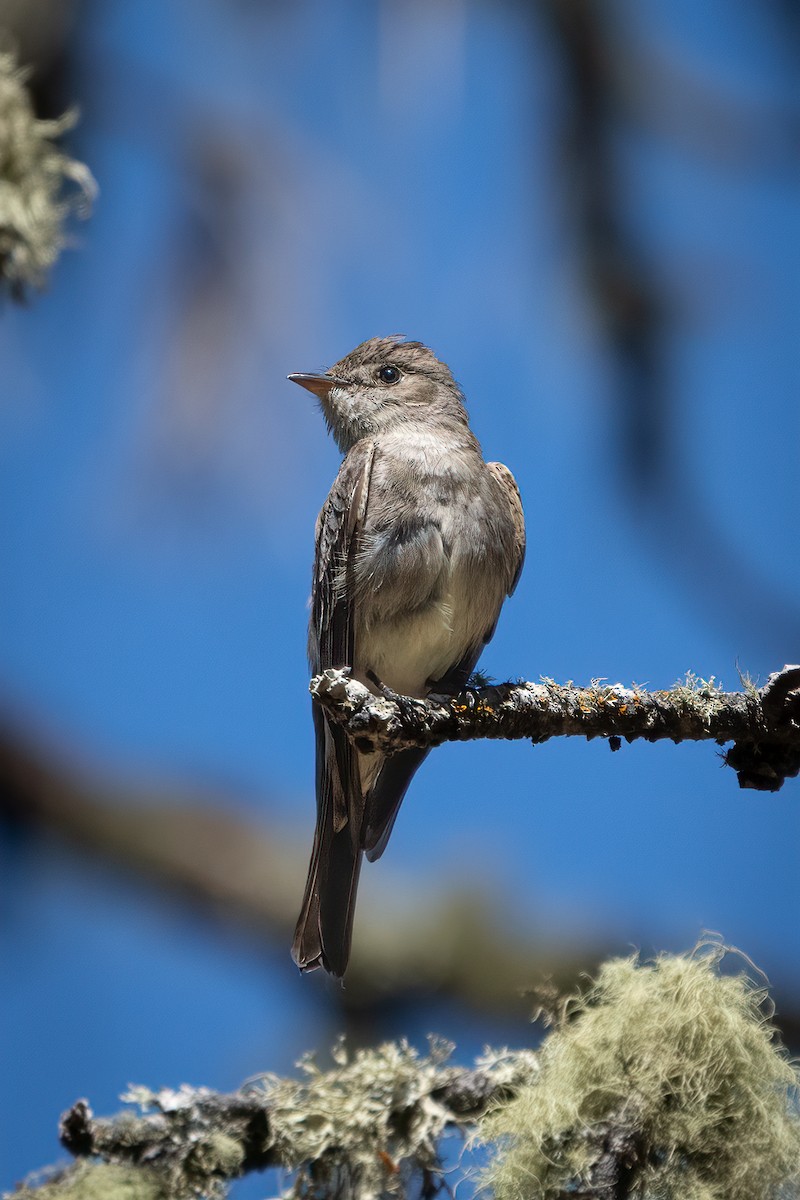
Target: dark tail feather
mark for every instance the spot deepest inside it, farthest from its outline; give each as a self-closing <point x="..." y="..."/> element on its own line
<point x="385" y="797"/>
<point x="325" y="926"/>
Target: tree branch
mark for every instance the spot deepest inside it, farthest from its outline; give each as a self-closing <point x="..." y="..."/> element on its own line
<point x="763" y="724"/>
<point x="195" y="1138"/>
<point x="617" y="1099"/>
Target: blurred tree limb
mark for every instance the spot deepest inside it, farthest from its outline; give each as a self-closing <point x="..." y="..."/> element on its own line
<point x="611" y="91"/>
<point x="448" y="940"/>
<point x="764" y="724"/>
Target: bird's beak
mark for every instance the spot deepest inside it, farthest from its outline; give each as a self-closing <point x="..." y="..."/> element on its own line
<point x="319" y="384"/>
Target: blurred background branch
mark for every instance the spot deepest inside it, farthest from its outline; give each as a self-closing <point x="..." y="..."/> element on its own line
<point x="452" y="944"/>
<point x="612" y="96"/>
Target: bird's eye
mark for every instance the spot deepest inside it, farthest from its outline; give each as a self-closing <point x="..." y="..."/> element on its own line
<point x="388" y="374"/>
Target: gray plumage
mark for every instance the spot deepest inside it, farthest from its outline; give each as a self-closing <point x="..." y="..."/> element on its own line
<point x="417" y="546"/>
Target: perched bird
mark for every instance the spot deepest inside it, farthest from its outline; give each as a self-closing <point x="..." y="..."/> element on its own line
<point x="417" y="546"/>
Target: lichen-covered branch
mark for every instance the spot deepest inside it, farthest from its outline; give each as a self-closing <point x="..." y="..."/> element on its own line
<point x="763" y="724"/>
<point x="663" y="1078"/>
<point x="352" y="1131"/>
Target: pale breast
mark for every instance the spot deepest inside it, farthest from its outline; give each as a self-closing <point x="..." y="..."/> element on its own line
<point x="414" y="647"/>
<point x="430" y="575"/>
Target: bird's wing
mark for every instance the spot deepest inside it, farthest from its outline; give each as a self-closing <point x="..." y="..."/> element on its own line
<point x="510" y="493"/>
<point x="338" y="533"/>
<point x="322" y="937"/>
<point x="333" y="616"/>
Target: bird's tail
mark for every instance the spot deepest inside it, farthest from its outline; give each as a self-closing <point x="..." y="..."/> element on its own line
<point x="385" y="797"/>
<point x="348" y="826"/>
<point x="325" y="926"/>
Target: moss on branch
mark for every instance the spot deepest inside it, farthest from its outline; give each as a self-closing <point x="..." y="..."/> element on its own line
<point x="369" y="1125"/>
<point x="40" y="186"/>
<point x="662" y="1080"/>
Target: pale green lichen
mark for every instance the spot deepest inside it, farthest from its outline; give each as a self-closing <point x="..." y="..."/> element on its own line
<point x="680" y="1056"/>
<point x="699" y="696"/>
<point x="371" y="1126"/>
<point x="749" y="685"/>
<point x="360" y="1128"/>
<point x="39" y="185"/>
<point x="95" y="1181"/>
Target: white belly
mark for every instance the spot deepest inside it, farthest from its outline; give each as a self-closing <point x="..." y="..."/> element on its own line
<point x="405" y="654"/>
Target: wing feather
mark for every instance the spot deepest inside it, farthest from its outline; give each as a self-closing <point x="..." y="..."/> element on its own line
<point x="511" y="496"/>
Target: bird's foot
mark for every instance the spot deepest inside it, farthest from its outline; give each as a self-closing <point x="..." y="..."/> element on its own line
<point x="461" y="693"/>
<point x="466" y="697"/>
<point x="406" y="704"/>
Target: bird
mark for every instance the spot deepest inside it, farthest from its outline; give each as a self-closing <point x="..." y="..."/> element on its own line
<point x="417" y="546"/>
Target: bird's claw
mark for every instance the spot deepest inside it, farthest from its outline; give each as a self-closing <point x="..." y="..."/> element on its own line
<point x="465" y="697"/>
<point x="405" y="704"/>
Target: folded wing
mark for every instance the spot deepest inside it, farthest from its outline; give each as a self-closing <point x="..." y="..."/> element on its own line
<point x="324" y="929"/>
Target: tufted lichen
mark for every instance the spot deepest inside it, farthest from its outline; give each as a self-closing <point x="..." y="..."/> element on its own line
<point x="40" y="185"/>
<point x="363" y="1127"/>
<point x="671" y="1066"/>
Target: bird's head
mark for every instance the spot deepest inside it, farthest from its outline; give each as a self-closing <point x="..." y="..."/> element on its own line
<point x="384" y="382"/>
